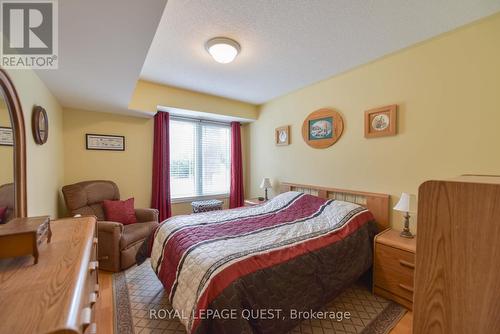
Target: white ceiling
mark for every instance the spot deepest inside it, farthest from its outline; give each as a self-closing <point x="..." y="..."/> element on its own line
<point x="289" y="44"/>
<point x="102" y="47"/>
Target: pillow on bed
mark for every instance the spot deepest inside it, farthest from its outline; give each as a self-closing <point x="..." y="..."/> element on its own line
<point x="120" y="211"/>
<point x="3" y="211"/>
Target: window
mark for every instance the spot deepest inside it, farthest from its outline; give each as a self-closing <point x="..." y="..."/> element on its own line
<point x="199" y="158"/>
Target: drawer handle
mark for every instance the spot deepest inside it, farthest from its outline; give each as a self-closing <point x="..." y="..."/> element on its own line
<point x="86" y="317"/>
<point x="407" y="264"/>
<point x="92" y="328"/>
<point x="406" y="287"/>
<point x="93" y="265"/>
<point x="93" y="298"/>
<point x="95" y="241"/>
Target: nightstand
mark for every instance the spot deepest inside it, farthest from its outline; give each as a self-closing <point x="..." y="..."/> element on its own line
<point x="253" y="202"/>
<point x="394" y="267"/>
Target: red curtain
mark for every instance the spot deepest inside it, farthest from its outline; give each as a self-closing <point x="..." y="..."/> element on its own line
<point x="236" y="198"/>
<point x="160" y="197"/>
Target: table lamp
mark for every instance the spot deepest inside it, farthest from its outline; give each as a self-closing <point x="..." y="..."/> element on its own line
<point x="406" y="204"/>
<point x="266" y="183"/>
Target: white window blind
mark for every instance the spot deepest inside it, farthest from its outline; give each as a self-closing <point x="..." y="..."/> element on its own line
<point x="199" y="158"/>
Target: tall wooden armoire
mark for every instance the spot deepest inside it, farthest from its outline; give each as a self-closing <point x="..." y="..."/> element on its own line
<point x="457" y="279"/>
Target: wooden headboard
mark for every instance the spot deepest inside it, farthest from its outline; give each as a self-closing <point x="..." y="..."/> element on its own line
<point x="378" y="204"/>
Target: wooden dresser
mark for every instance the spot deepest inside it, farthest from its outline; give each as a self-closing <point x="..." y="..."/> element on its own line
<point x="457" y="283"/>
<point x="394" y="266"/>
<point x="58" y="293"/>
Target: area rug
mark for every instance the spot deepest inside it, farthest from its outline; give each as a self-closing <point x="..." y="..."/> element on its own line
<point x="137" y="290"/>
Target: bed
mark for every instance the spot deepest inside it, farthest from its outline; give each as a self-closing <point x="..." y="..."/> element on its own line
<point x="258" y="269"/>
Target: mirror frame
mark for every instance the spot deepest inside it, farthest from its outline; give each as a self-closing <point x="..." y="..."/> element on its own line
<point x="17" y="120"/>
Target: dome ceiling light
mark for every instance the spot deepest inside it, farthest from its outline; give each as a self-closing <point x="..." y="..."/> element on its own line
<point x="222" y="49"/>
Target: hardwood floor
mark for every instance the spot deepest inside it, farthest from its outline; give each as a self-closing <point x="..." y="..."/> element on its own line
<point x="404" y="326"/>
<point x="104" y="306"/>
<point x="104" y="309"/>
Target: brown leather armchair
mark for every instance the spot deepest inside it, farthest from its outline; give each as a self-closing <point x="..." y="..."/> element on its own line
<point x="118" y="243"/>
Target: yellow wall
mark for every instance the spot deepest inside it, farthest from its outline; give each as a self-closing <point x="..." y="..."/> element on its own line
<point x="448" y="92"/>
<point x="131" y="170"/>
<point x="45" y="167"/>
<point x="147" y="96"/>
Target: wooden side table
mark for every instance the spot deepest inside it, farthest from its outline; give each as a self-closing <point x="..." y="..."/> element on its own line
<point x="253" y="202"/>
<point x="394" y="267"/>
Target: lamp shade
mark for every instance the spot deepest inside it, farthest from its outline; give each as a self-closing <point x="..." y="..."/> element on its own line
<point x="266" y="183"/>
<point x="224" y="50"/>
<point x="406" y="203"/>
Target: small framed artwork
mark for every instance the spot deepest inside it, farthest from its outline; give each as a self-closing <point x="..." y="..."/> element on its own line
<point x="380" y="122"/>
<point x="282" y="135"/>
<point x="6" y="136"/>
<point x="322" y="128"/>
<point x="105" y="142"/>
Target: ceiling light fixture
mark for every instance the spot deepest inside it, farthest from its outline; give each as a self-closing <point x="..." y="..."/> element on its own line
<point x="222" y="49"/>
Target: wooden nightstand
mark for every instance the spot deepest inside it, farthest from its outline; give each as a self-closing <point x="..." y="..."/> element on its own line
<point x="253" y="201"/>
<point x="394" y="267"/>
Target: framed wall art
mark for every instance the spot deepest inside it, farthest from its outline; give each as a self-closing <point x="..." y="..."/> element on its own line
<point x="6" y="136"/>
<point x="380" y="122"/>
<point x="282" y="136"/>
<point x="104" y="142"/>
<point x="322" y="128"/>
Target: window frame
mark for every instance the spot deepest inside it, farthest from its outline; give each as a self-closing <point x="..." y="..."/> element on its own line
<point x="198" y="157"/>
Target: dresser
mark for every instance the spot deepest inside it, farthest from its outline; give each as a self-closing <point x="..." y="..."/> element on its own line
<point x="394" y="267"/>
<point x="457" y="283"/>
<point x="58" y="293"/>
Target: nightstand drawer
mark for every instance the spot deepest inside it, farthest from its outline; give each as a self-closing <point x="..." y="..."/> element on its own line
<point x="393" y="270"/>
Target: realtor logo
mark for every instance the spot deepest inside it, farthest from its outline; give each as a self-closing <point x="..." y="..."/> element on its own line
<point x="29" y="34"/>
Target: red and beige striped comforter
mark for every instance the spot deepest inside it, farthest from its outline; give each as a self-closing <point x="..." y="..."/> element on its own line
<point x="294" y="251"/>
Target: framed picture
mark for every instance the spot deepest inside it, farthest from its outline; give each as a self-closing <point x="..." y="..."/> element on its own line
<point x="105" y="142"/>
<point x="322" y="128"/>
<point x="6" y="136"/>
<point x="380" y="122"/>
<point x="282" y="135"/>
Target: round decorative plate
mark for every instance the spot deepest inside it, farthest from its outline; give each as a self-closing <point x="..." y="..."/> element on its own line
<point x="322" y="128"/>
<point x="380" y="122"/>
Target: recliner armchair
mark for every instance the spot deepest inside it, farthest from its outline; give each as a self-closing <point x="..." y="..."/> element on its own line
<point x="118" y="243"/>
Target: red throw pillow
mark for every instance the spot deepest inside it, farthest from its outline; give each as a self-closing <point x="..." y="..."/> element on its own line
<point x="120" y="211"/>
<point x="3" y="211"/>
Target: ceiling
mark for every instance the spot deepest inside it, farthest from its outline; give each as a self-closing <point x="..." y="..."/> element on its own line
<point x="102" y="47"/>
<point x="289" y="44"/>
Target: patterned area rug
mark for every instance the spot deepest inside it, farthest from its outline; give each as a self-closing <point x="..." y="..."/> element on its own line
<point x="137" y="290"/>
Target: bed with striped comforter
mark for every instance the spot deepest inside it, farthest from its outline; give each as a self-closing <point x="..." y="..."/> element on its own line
<point x="295" y="251"/>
